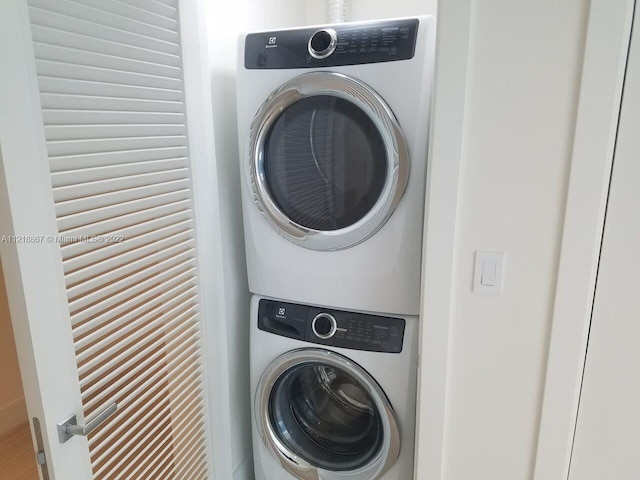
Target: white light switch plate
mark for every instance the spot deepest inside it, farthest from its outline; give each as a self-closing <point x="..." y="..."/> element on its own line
<point x="489" y="273"/>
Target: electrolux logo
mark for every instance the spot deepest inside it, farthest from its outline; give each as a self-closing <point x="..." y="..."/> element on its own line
<point x="272" y="42"/>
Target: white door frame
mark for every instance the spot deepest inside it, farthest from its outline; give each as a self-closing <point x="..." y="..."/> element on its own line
<point x="213" y="302"/>
<point x="440" y="230"/>
<point x="605" y="57"/>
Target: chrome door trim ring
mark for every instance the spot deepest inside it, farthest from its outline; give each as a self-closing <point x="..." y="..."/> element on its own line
<point x="294" y="463"/>
<point x="327" y="51"/>
<point x="365" y="98"/>
<point x="332" y="320"/>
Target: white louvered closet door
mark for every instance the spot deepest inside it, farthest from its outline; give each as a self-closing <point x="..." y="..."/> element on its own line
<point x="113" y="258"/>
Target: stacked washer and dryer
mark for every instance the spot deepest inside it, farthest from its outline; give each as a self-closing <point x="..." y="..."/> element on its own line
<point x="333" y="126"/>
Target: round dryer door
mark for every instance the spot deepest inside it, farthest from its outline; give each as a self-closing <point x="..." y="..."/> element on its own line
<point x="328" y="163"/>
<point x="316" y="410"/>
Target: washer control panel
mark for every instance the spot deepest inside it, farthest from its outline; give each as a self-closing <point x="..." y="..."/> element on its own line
<point x="336" y="328"/>
<point x="338" y="45"/>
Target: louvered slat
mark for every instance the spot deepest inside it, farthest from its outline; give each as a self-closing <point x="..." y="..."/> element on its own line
<point x="87" y="175"/>
<point x="123" y="223"/>
<point x="147" y="433"/>
<point x="154" y="469"/>
<point x="87" y="362"/>
<point x="90" y="132"/>
<point x="74" y="291"/>
<point x="157" y="409"/>
<point x="130" y="11"/>
<point x="52" y="36"/>
<point x="61" y="101"/>
<point x="111" y="91"/>
<point x="152" y="393"/>
<point x="148" y="355"/>
<point x="81" y="10"/>
<point x="101" y="212"/>
<point x="156" y="452"/>
<point x="83" y="249"/>
<point x="191" y="468"/>
<point x="105" y="293"/>
<point x="97" y="145"/>
<point x="71" y="116"/>
<point x="148" y="450"/>
<point x="191" y="424"/>
<point x="159" y="468"/>
<point x="93" y="28"/>
<point x="101" y="159"/>
<point x="154" y="6"/>
<point x="190" y="455"/>
<point x="120" y="327"/>
<point x="124" y="333"/>
<point x="128" y="428"/>
<point x="96" y="261"/>
<point x="78" y="56"/>
<point x="74" y="213"/>
<point x="149" y="397"/>
<point x="119" y="263"/>
<point x="100" y="87"/>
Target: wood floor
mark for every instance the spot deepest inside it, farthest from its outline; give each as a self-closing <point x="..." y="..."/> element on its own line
<point x="17" y="457"/>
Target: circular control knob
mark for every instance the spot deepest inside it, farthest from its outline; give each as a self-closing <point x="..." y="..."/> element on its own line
<point x="324" y="325"/>
<point x="323" y="43"/>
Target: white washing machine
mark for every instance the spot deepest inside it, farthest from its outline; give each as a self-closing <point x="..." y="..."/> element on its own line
<point x="334" y="393"/>
<point x="333" y="122"/>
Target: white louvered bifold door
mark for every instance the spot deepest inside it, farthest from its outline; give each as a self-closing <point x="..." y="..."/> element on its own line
<point x="109" y="74"/>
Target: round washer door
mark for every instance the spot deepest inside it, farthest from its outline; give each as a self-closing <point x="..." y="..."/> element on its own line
<point x="321" y="414"/>
<point x="328" y="163"/>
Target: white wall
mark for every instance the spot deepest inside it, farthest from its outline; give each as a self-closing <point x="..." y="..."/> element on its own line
<point x="369" y="10"/>
<point x="523" y="84"/>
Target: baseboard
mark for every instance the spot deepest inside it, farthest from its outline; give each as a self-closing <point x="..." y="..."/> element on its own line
<point x="244" y="471"/>
<point x="13" y="415"/>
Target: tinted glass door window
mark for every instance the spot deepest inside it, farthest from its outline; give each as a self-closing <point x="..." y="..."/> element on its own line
<point x="325" y="163"/>
<point x="326" y="416"/>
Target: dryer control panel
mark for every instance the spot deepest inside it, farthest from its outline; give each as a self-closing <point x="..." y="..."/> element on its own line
<point x="336" y="328"/>
<point x="335" y="45"/>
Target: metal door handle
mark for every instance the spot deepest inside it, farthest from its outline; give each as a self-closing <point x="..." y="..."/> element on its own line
<point x="69" y="427"/>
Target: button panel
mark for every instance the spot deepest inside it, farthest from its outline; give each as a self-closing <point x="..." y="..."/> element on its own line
<point x="355" y="44"/>
<point x="353" y="330"/>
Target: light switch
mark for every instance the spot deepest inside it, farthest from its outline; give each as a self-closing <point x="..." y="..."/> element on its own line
<point x="488" y="274"/>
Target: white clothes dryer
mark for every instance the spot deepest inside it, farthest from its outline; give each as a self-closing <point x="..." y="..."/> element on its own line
<point x="333" y="393"/>
<point x="333" y="122"/>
